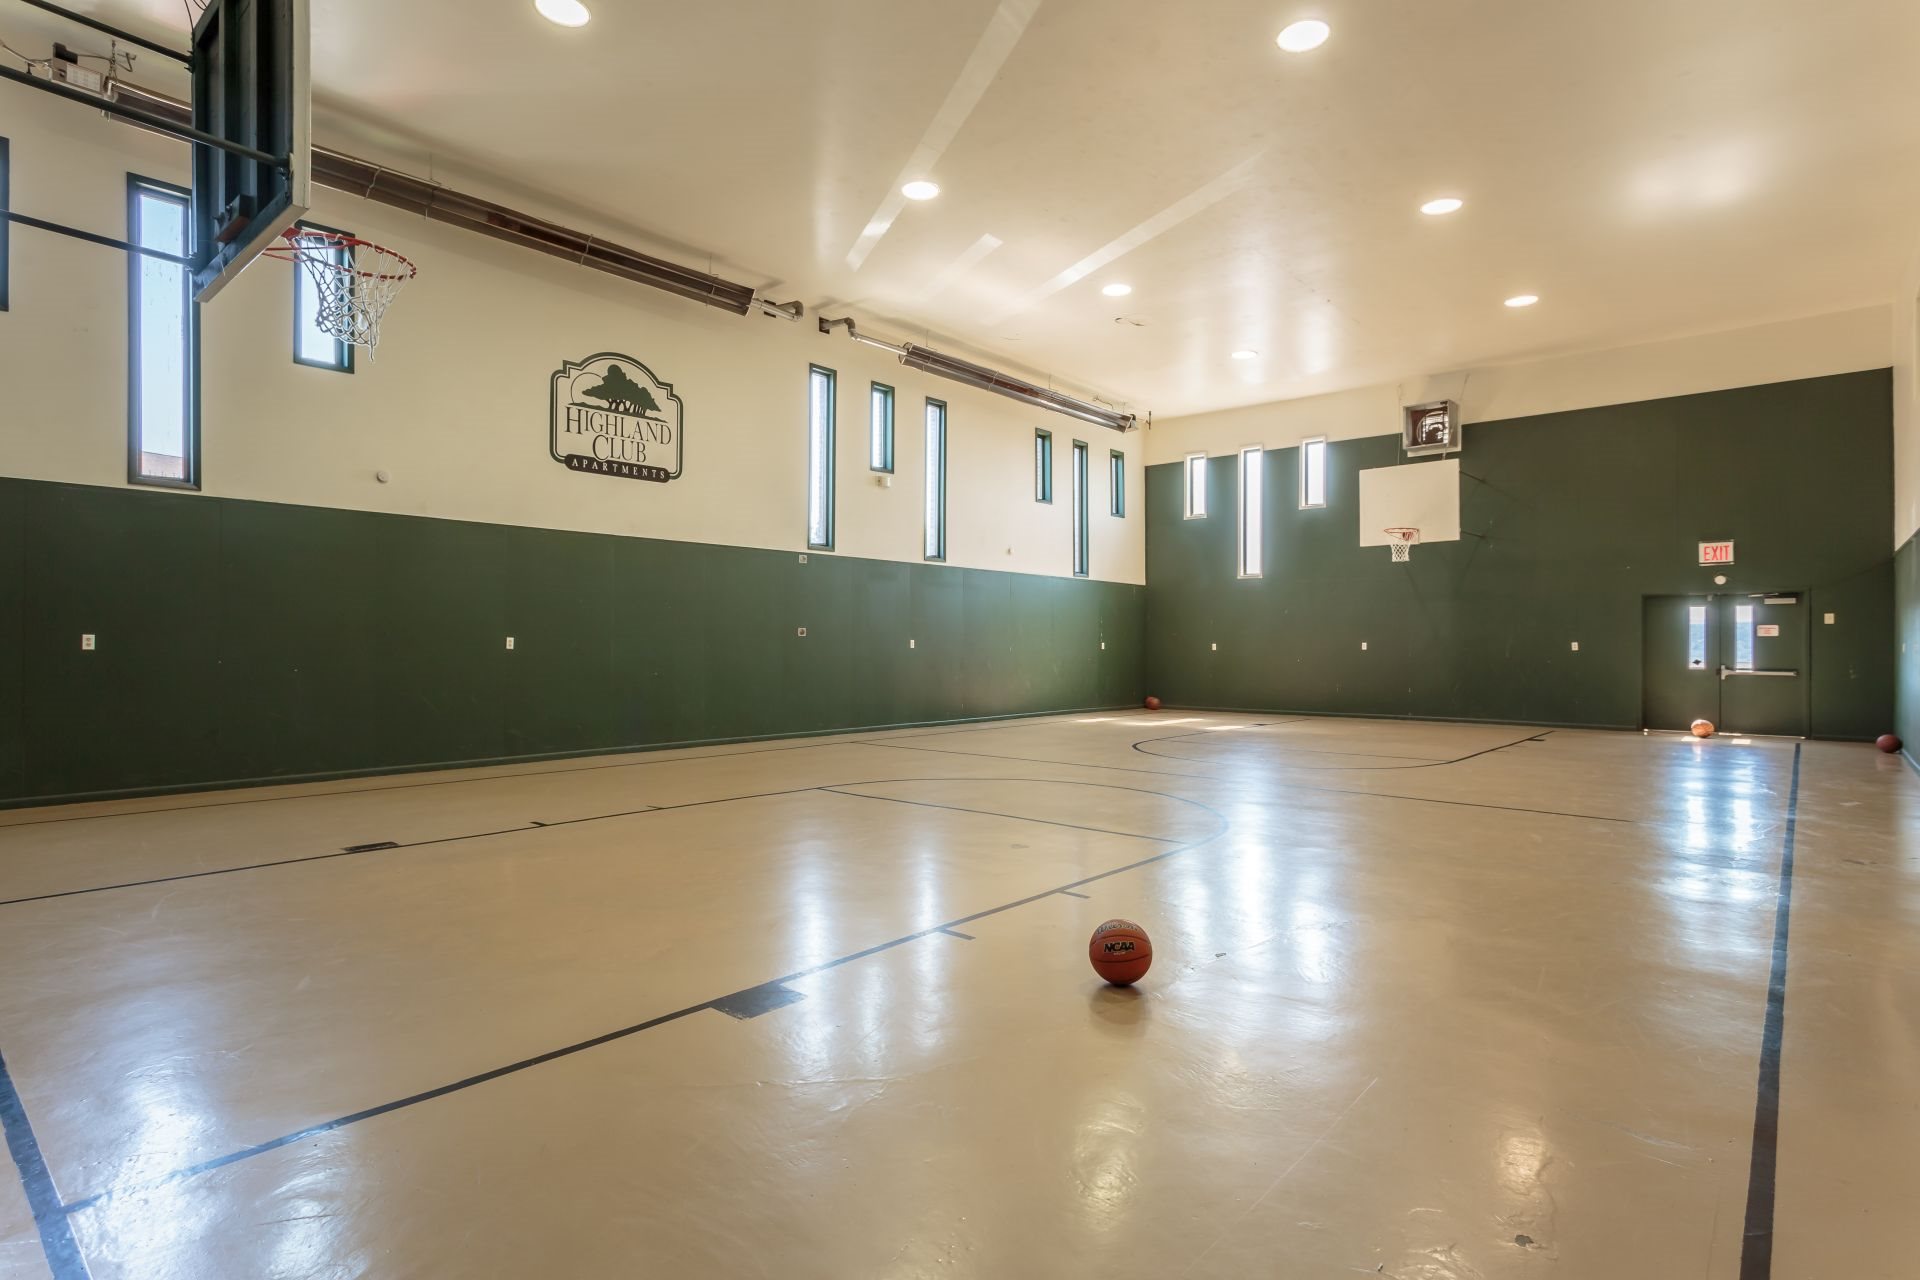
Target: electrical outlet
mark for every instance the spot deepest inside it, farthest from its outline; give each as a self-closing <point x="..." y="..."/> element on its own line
<point x="1216" y="648"/>
<point x="1103" y="644"/>
<point x="86" y="642"/>
<point x="910" y="644"/>
<point x="509" y="642"/>
<point x="1576" y="646"/>
<point x="1363" y="646"/>
<point x="803" y="559"/>
<point x="803" y="633"/>
<point x="1829" y="619"/>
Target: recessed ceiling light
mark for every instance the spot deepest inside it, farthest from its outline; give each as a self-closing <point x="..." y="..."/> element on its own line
<point x="1244" y="354"/>
<point x="1445" y="204"/>
<point x="1523" y="300"/>
<point x="568" y="13"/>
<point x="1117" y="290"/>
<point x="920" y="189"/>
<point x="1298" y="37"/>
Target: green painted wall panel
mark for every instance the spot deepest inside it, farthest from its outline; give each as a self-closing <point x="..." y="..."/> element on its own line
<point x="1579" y="516"/>
<point x="242" y="641"/>
<point x="1906" y="643"/>
<point x="13" y="632"/>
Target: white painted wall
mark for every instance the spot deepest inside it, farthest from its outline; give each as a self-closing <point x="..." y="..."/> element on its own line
<point x="455" y="406"/>
<point x="1843" y="342"/>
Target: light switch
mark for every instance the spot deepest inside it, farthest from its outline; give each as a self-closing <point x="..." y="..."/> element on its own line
<point x="803" y="633"/>
<point x="1363" y="646"/>
<point x="803" y="559"/>
<point x="1829" y="619"/>
<point x="911" y="644"/>
<point x="1576" y="646"/>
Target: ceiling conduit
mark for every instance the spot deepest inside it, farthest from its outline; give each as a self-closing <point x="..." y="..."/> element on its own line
<point x="974" y="375"/>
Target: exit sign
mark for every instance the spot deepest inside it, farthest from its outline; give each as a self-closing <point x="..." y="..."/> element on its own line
<point x="1716" y="552"/>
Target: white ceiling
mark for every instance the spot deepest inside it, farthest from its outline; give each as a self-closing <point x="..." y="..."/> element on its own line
<point x="1648" y="167"/>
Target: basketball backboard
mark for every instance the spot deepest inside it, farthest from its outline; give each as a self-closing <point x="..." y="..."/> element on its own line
<point x="251" y="88"/>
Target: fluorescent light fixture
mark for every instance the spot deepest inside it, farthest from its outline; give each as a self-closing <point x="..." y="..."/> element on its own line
<point x="1117" y="290"/>
<point x="1245" y="354"/>
<point x="1298" y="37"/>
<point x="566" y="13"/>
<point x="920" y="189"/>
<point x="1445" y="204"/>
<point x="1523" y="300"/>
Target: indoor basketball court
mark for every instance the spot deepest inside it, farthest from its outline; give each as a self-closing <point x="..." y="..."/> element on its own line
<point x="1336" y="705"/>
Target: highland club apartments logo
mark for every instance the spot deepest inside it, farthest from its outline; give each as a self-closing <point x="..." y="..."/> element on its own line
<point x="612" y="417"/>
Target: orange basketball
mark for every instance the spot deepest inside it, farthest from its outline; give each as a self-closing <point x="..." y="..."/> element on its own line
<point x="1153" y="703"/>
<point x="1703" y="728"/>
<point x="1121" y="952"/>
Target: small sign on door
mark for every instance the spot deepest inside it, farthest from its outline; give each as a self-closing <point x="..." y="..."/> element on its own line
<point x="1716" y="552"/>
<point x="1767" y="629"/>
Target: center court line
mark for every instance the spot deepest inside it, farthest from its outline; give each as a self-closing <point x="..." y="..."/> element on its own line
<point x="396" y="847"/>
<point x="468" y="1082"/>
<point x="1355" y="768"/>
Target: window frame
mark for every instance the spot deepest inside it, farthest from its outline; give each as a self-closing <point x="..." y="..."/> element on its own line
<point x="828" y="450"/>
<point x="6" y="224"/>
<point x="1043" y="465"/>
<point x="300" y="280"/>
<point x="934" y="503"/>
<point x="880" y="436"/>
<point x="1081" y="465"/>
<point x="1253" y="515"/>
<point x="1195" y="464"/>
<point x="1306" y="474"/>
<point x="1116" y="484"/>
<point x="137" y="186"/>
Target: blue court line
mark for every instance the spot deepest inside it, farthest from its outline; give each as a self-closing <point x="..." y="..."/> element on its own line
<point x="1756" y="1239"/>
<point x="43" y="1198"/>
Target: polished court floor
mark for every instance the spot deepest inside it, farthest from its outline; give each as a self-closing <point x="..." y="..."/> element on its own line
<point x="1429" y="1002"/>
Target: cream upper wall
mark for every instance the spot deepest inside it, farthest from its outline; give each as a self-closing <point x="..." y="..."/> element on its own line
<point x="1843" y="342"/>
<point x="455" y="406"/>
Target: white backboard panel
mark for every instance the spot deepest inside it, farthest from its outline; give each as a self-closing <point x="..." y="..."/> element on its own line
<point x="1417" y="495"/>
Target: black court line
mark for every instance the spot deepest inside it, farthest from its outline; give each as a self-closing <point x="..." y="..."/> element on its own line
<point x="391" y="847"/>
<point x="960" y="808"/>
<point x="1140" y="746"/>
<point x="43" y="1198"/>
<point x="1295" y="786"/>
<point x="1071" y="894"/>
<point x="955" y="933"/>
<point x="468" y="1082"/>
<point x="653" y="756"/>
<point x="1756" y="1240"/>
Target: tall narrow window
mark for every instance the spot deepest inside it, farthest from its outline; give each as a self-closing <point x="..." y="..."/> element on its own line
<point x="880" y="428"/>
<point x="1252" y="526"/>
<point x="1313" y="473"/>
<point x="1043" y="466"/>
<point x="1080" y="557"/>
<point x="312" y="345"/>
<point x="1117" y="482"/>
<point x="936" y="480"/>
<point x="6" y="244"/>
<point x="1743" y="637"/>
<point x="1697" y="636"/>
<point x="820" y="458"/>
<point x="1196" y="486"/>
<point x="163" y="355"/>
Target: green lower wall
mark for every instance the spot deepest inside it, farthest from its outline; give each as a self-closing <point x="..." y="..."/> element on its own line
<point x="1906" y="597"/>
<point x="1582" y="515"/>
<point x="242" y="641"/>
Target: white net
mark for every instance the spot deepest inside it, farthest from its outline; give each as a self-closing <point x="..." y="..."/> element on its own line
<point x="354" y="281"/>
<point x="1402" y="540"/>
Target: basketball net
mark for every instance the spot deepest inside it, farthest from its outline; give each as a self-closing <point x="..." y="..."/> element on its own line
<point x="354" y="280"/>
<point x="1402" y="540"/>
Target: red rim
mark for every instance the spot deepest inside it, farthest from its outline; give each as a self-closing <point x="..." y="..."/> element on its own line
<point x="288" y="251"/>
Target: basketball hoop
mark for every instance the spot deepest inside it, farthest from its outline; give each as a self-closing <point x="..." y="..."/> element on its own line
<point x="1402" y="540"/>
<point x="356" y="280"/>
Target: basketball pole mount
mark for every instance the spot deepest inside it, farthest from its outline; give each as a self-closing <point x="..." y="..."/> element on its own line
<point x="158" y="123"/>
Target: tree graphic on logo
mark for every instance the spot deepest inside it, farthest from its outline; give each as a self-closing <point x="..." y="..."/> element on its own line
<point x="623" y="394"/>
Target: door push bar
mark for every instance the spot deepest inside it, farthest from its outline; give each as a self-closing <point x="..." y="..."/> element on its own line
<point x="1730" y="671"/>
